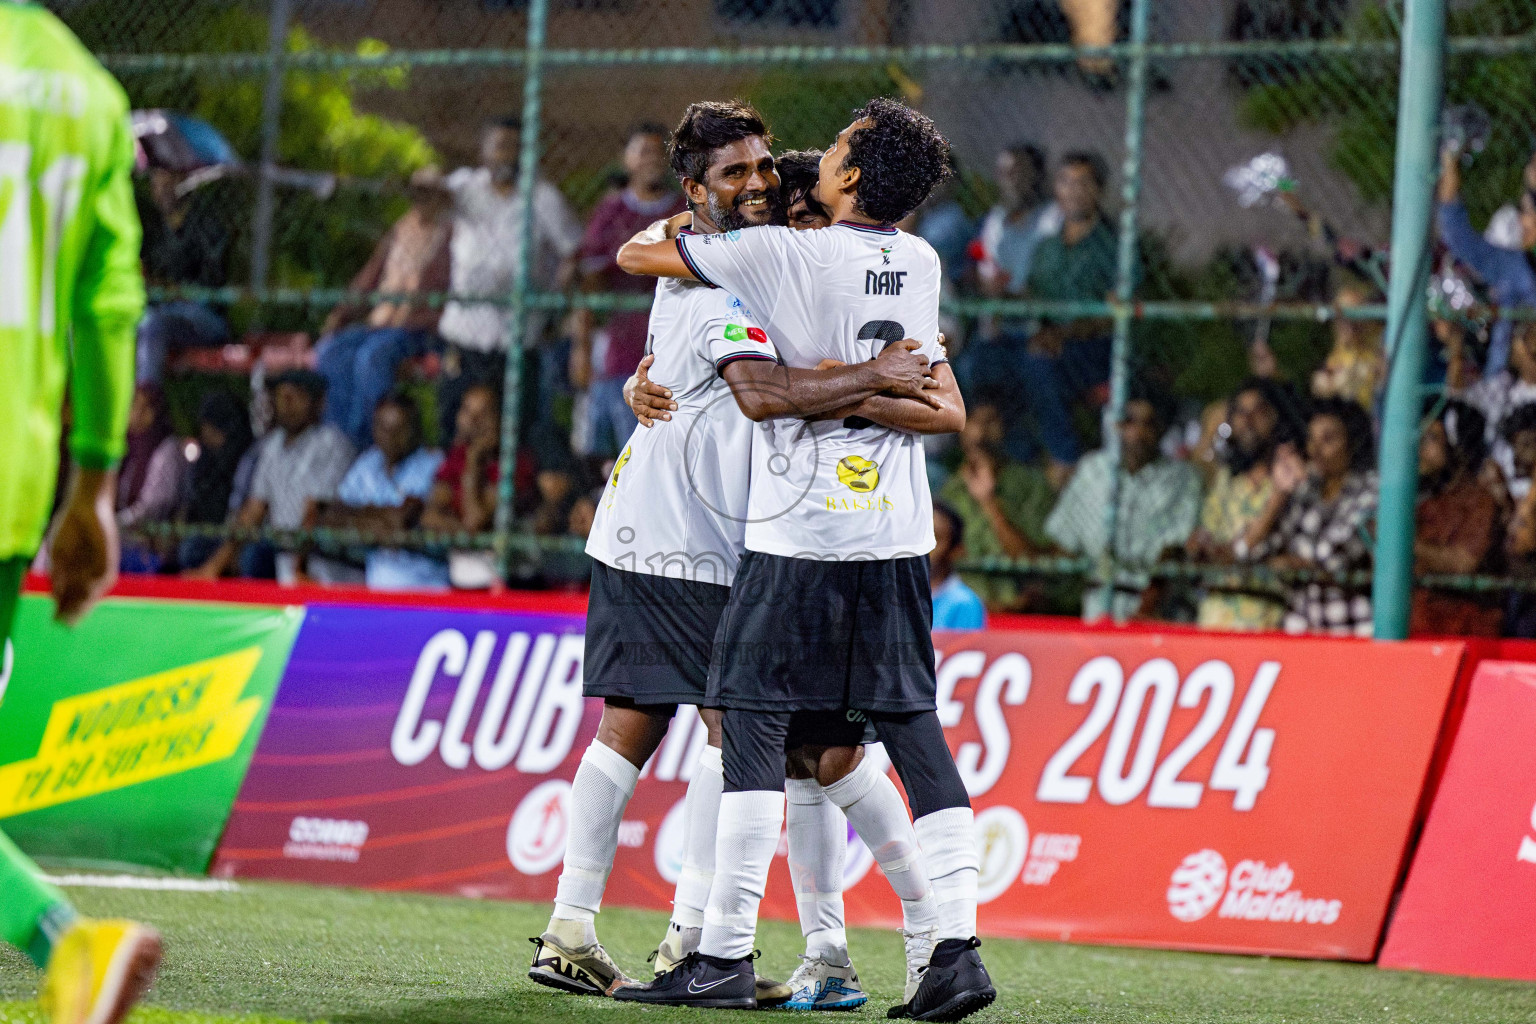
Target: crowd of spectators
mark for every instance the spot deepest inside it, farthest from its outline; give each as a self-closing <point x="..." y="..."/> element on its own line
<point x="1282" y="476"/>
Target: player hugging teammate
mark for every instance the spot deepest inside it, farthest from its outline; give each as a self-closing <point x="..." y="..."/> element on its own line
<point x="763" y="556"/>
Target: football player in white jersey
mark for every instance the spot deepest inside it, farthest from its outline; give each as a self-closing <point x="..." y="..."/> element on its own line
<point x="666" y="540"/>
<point x="831" y="609"/>
<point x="821" y="794"/>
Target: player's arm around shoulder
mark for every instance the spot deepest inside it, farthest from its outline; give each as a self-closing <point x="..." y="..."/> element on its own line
<point x="656" y="252"/>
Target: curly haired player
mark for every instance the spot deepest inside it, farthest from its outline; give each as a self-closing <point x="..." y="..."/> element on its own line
<point x="830" y="614"/>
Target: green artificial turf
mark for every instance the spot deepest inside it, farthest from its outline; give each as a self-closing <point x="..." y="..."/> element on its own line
<point x="268" y="954"/>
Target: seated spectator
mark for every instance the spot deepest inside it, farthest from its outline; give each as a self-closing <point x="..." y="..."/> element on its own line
<point x="1263" y="418"/>
<point x="188" y="239"/>
<point x="1318" y="518"/>
<point x="221" y="472"/>
<point x="362" y="349"/>
<point x="1158" y="506"/>
<point x="602" y="358"/>
<point x="1498" y="395"/>
<point x="149" y="481"/>
<point x="955" y="605"/>
<point x="1068" y="357"/>
<point x="1456" y="524"/>
<point x="1002" y="505"/>
<point x="386" y="491"/>
<point x="1356" y="367"/>
<point x="1510" y="278"/>
<point x="486" y="260"/>
<point x="943" y="224"/>
<point x="463" y="496"/>
<point x="301" y="461"/>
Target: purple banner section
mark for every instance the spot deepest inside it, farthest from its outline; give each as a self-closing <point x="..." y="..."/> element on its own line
<point x="418" y="749"/>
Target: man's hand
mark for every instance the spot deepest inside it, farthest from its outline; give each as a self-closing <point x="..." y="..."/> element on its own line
<point x="904" y="371"/>
<point x="84" y="548"/>
<point x="648" y="400"/>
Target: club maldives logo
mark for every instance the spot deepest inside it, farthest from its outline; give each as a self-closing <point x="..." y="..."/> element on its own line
<point x="536" y="834"/>
<point x="1251" y="891"/>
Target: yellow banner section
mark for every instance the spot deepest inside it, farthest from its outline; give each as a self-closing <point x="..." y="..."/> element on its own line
<point x="132" y="732"/>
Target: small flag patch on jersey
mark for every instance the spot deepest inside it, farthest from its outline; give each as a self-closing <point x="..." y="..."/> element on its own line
<point x="758" y="335"/>
<point x="735" y="332"/>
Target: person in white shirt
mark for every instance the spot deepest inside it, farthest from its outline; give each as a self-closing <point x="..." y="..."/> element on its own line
<point x="486" y="255"/>
<point x="831" y="610"/>
<point x="666" y="539"/>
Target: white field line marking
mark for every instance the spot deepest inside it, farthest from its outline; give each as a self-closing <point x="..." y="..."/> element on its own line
<point x="144" y="882"/>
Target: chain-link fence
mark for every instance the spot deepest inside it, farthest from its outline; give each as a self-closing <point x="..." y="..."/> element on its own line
<point x="1202" y="262"/>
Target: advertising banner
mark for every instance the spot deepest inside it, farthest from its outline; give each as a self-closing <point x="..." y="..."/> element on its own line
<point x="1200" y="792"/>
<point x="1216" y="793"/>
<point x="125" y="738"/>
<point x="418" y="749"/>
<point x="1470" y="903"/>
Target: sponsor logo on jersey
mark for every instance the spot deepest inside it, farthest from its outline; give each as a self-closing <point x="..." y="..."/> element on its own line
<point x="623" y="461"/>
<point x="1252" y="891"/>
<point x="537" y="831"/>
<point x="736" y="332"/>
<point x="858" y="474"/>
<point x="884" y="282"/>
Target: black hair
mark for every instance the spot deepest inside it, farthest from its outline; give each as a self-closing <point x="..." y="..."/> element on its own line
<point x="646" y="128"/>
<point x="1358" y="431"/>
<point x="402" y="400"/>
<point x="901" y="157"/>
<point x="1520" y="419"/>
<point x="799" y="170"/>
<point x="1091" y="160"/>
<point x="1159" y="399"/>
<point x="1030" y="154"/>
<point x="1465" y="430"/>
<point x="956" y="524"/>
<point x="511" y="122"/>
<point x="1290" y="411"/>
<point x="708" y="126"/>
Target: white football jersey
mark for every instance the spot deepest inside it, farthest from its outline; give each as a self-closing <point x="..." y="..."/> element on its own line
<point x="676" y="502"/>
<point x="834" y="488"/>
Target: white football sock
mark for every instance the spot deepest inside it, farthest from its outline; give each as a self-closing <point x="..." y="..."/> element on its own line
<point x="748" y="835"/>
<point x="605" y="781"/>
<point x="818" y="846"/>
<point x="948" y="838"/>
<point x="874" y="807"/>
<point x="701" y="812"/>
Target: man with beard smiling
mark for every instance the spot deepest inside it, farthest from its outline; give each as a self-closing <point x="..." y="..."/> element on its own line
<point x="666" y="540"/>
<point x="829" y="624"/>
<point x="1262" y="416"/>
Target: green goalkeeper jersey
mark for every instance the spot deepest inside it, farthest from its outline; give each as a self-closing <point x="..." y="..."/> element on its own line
<point x="71" y="291"/>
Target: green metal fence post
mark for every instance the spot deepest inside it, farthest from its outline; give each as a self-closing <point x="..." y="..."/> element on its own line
<point x="517" y="314"/>
<point x="271" y="118"/>
<point x="1125" y="284"/>
<point x="1418" y="111"/>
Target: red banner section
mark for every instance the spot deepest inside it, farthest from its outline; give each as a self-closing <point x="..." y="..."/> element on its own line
<point x="1218" y="793"/>
<point x="1470" y="903"/>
